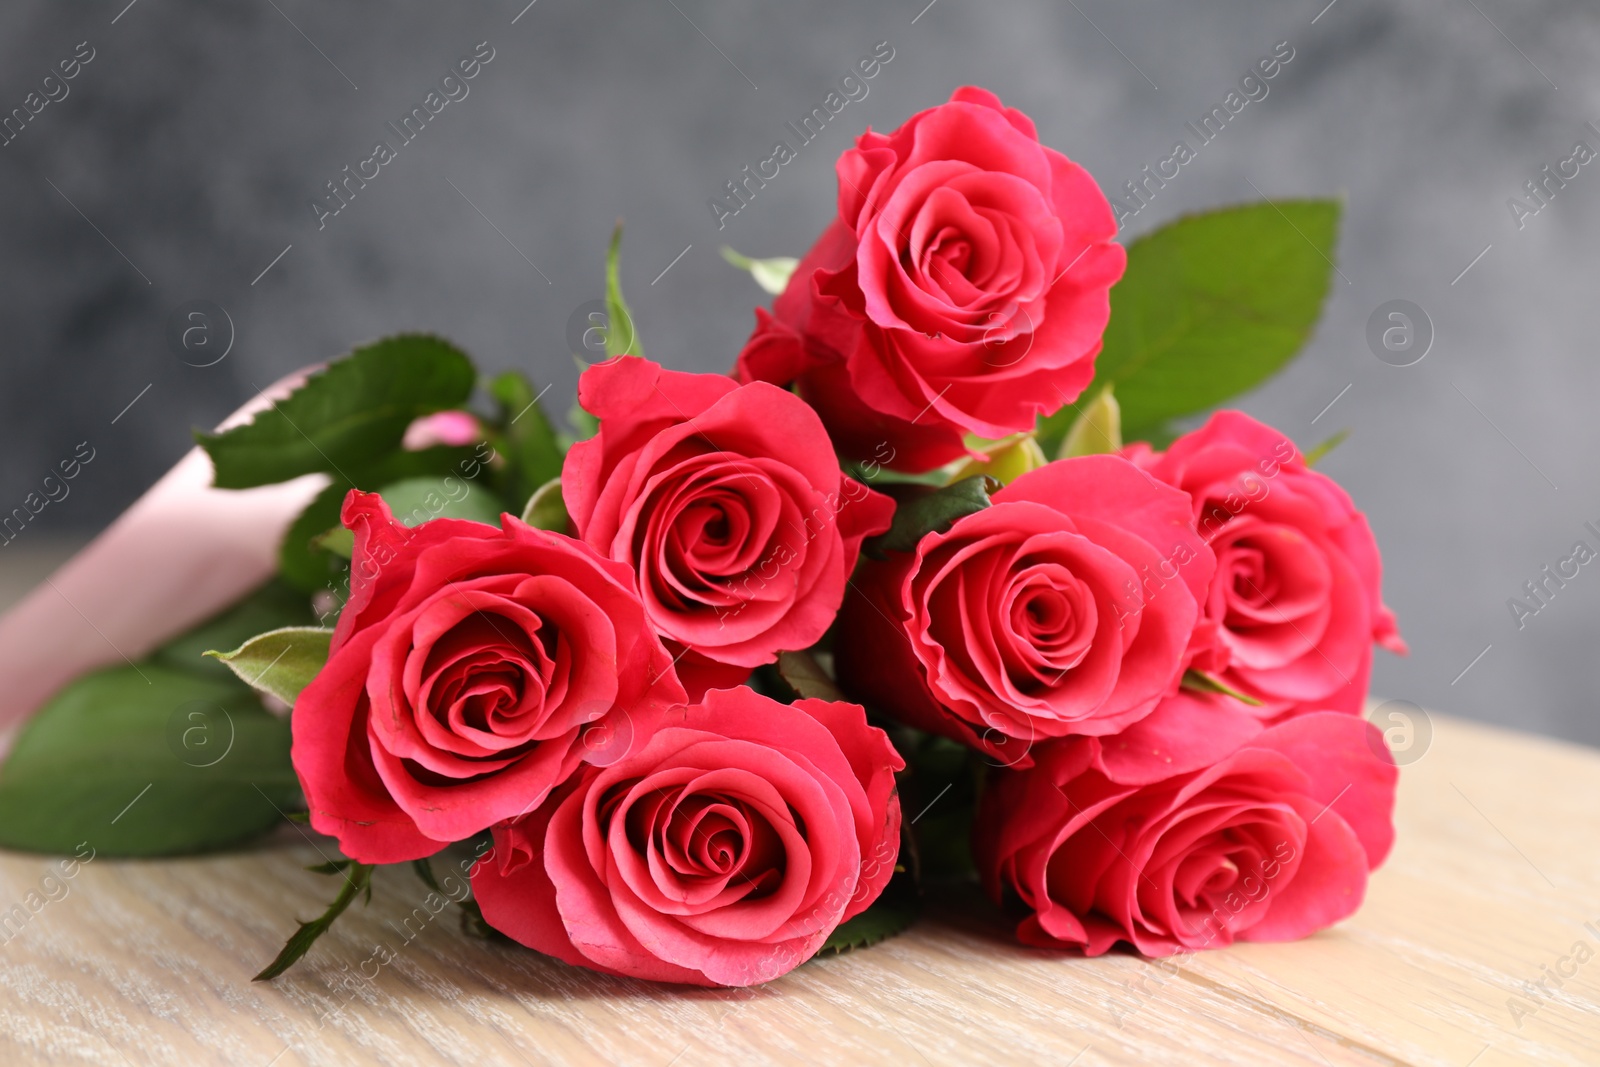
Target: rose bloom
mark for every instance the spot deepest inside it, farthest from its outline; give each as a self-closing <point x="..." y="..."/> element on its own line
<point x="962" y="289"/>
<point x="1025" y="621"/>
<point x="1193" y="829"/>
<point x="722" y="853"/>
<point x="472" y="669"/>
<point x="727" y="502"/>
<point x="1295" y="605"/>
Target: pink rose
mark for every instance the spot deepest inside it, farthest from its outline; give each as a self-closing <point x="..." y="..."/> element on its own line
<point x="1023" y="622"/>
<point x="1294" y="607"/>
<point x="728" y="502"/>
<point x="962" y="290"/>
<point x="472" y="669"/>
<point x="723" y="853"/>
<point x="1164" y="838"/>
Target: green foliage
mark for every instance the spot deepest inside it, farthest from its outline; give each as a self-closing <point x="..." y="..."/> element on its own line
<point x="1211" y="306"/>
<point x="622" y="338"/>
<point x="892" y="913"/>
<point x="529" y="443"/>
<point x="1320" y="450"/>
<point x="771" y="274"/>
<point x="302" y="562"/>
<point x="346" y="418"/>
<point x="934" y="512"/>
<point x="415" y="501"/>
<point x="1097" y="429"/>
<point x="272" y="606"/>
<point x="281" y="662"/>
<point x="1201" y="682"/>
<point x="146" y="761"/>
<point x="802" y="673"/>
<point x="547" y="508"/>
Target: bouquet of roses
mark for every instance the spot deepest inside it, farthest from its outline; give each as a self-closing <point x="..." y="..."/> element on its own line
<point x="928" y="587"/>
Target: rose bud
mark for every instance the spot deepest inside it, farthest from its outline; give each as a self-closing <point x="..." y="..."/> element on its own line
<point x="1295" y="606"/>
<point x="472" y="669"/>
<point x="1066" y="607"/>
<point x="962" y="289"/>
<point x="724" y="852"/>
<point x="1163" y="839"/>
<point x="728" y="504"/>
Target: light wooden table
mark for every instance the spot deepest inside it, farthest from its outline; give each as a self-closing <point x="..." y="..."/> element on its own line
<point x="1496" y="871"/>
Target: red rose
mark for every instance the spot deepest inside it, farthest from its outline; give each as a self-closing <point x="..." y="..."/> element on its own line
<point x="727" y="502"/>
<point x="1024" y="621"/>
<point x="1294" y="606"/>
<point x="472" y="669"/>
<point x="1164" y="839"/>
<point x="962" y="289"/>
<point x="722" y="853"/>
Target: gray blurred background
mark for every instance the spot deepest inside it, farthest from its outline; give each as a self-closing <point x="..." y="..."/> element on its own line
<point x="185" y="156"/>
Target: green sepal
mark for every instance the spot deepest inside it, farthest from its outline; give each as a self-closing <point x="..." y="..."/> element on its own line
<point x="621" y="336"/>
<point x="1097" y="429"/>
<point x="281" y="662"/>
<point x="771" y="274"/>
<point x="547" y="508"/>
<point x="1201" y="682"/>
<point x="1320" y="450"/>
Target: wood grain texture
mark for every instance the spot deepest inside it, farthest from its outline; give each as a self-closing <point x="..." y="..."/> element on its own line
<point x="1495" y="875"/>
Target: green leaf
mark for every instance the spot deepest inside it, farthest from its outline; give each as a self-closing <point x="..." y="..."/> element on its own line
<point x="414" y="501"/>
<point x="147" y="761"/>
<point x="584" y="425"/>
<point x="531" y="446"/>
<point x="357" y="878"/>
<point x="933" y="512"/>
<point x="771" y="274"/>
<point x="309" y="559"/>
<point x="331" y="867"/>
<point x="349" y="415"/>
<point x="280" y="662"/>
<point x="1201" y="682"/>
<point x="1211" y="306"/>
<point x="301" y="561"/>
<point x="1097" y="429"/>
<point x="1318" y="451"/>
<point x="424" y="871"/>
<point x="336" y="541"/>
<point x="621" y="337"/>
<point x="270" y="607"/>
<point x="891" y="914"/>
<point x="547" y="508"/>
<point x="802" y="673"/>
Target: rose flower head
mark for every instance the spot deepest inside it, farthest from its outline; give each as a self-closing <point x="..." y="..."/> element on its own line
<point x="962" y="289"/>
<point x="1066" y="607"/>
<point x="728" y="504"/>
<point x="724" y="852"/>
<point x="1295" y="607"/>
<point x="473" y="668"/>
<point x="1193" y="829"/>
